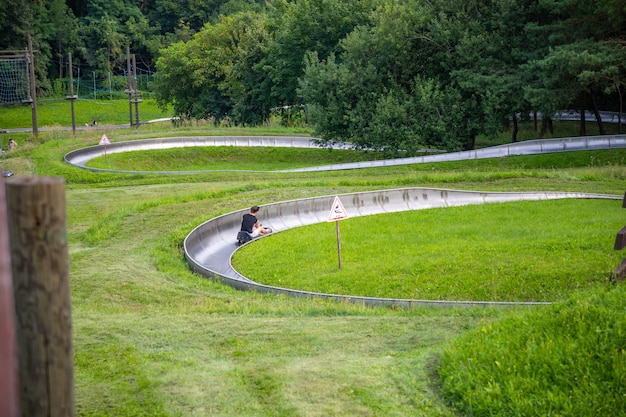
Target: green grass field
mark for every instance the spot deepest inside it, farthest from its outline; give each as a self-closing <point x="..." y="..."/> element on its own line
<point x="151" y="338"/>
<point x="226" y="158"/>
<point x="59" y="113"/>
<point x="486" y="252"/>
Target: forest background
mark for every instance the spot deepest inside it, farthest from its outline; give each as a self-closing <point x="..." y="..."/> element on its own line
<point x="384" y="74"/>
<point x="153" y="339"/>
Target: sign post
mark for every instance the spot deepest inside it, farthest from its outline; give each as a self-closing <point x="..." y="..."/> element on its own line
<point x="619" y="273"/>
<point x="337" y="212"/>
<point x="105" y="141"/>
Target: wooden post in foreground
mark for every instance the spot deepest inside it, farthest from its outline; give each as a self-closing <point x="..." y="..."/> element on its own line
<point x="40" y="265"/>
<point x="619" y="273"/>
<point x="9" y="397"/>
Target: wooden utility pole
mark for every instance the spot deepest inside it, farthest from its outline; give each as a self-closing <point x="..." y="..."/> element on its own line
<point x="72" y="97"/>
<point x="40" y="266"/>
<point x="619" y="273"/>
<point x="136" y="89"/>
<point x="130" y="85"/>
<point x="33" y="85"/>
<point x="9" y="386"/>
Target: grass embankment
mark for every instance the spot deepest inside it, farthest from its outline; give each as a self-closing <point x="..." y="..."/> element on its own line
<point x="227" y="158"/>
<point x="59" y="113"/>
<point x="498" y="252"/>
<point x="153" y="339"/>
<point x="565" y="360"/>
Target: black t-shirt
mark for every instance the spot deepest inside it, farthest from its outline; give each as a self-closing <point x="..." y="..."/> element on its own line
<point x="247" y="222"/>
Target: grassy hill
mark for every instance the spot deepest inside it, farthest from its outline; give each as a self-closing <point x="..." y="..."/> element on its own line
<point x="151" y="338"/>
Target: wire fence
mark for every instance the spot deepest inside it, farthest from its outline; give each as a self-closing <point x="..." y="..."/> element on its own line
<point x="14" y="80"/>
<point x="97" y="86"/>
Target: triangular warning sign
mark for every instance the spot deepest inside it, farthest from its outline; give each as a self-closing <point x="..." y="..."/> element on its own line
<point x="104" y="140"/>
<point x="337" y="212"/>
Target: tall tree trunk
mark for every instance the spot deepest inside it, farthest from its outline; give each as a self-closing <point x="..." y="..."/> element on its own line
<point x="619" y="120"/>
<point x="515" y="129"/>
<point x="546" y="125"/>
<point x="550" y="126"/>
<point x="583" y="124"/>
<point x="597" y="113"/>
<point x="535" y="126"/>
<point x="61" y="64"/>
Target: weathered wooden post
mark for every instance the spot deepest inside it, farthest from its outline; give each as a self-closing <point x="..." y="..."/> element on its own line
<point x="9" y="398"/>
<point x="40" y="265"/>
<point x="619" y="272"/>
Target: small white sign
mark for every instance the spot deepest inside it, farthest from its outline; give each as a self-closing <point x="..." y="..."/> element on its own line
<point x="104" y="140"/>
<point x="337" y="212"/>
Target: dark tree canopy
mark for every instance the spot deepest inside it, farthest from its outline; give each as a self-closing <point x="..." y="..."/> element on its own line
<point x="388" y="74"/>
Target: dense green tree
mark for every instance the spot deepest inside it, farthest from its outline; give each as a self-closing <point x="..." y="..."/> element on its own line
<point x="267" y="56"/>
<point x="21" y="20"/>
<point x="169" y="15"/>
<point x="105" y="44"/>
<point x="110" y="27"/>
<point x="484" y="62"/>
<point x="337" y="97"/>
<point x="244" y="82"/>
<point x="385" y="91"/>
<point x="489" y="62"/>
<point x="211" y="76"/>
<point x="391" y="74"/>
<point x="231" y="7"/>
<point x="578" y="39"/>
<point x="307" y="26"/>
<point x="61" y="36"/>
<point x="582" y="71"/>
<point x="16" y="23"/>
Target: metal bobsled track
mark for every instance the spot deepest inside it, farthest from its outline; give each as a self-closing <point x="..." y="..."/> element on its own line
<point x="210" y="246"/>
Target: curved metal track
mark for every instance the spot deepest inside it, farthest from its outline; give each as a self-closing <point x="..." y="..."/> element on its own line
<point x="210" y="246"/>
<point x="80" y="157"/>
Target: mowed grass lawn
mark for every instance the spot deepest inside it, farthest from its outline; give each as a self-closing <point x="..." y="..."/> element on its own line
<point x="518" y="251"/>
<point x="59" y="113"/>
<point x="152" y="338"/>
<point x="217" y="158"/>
